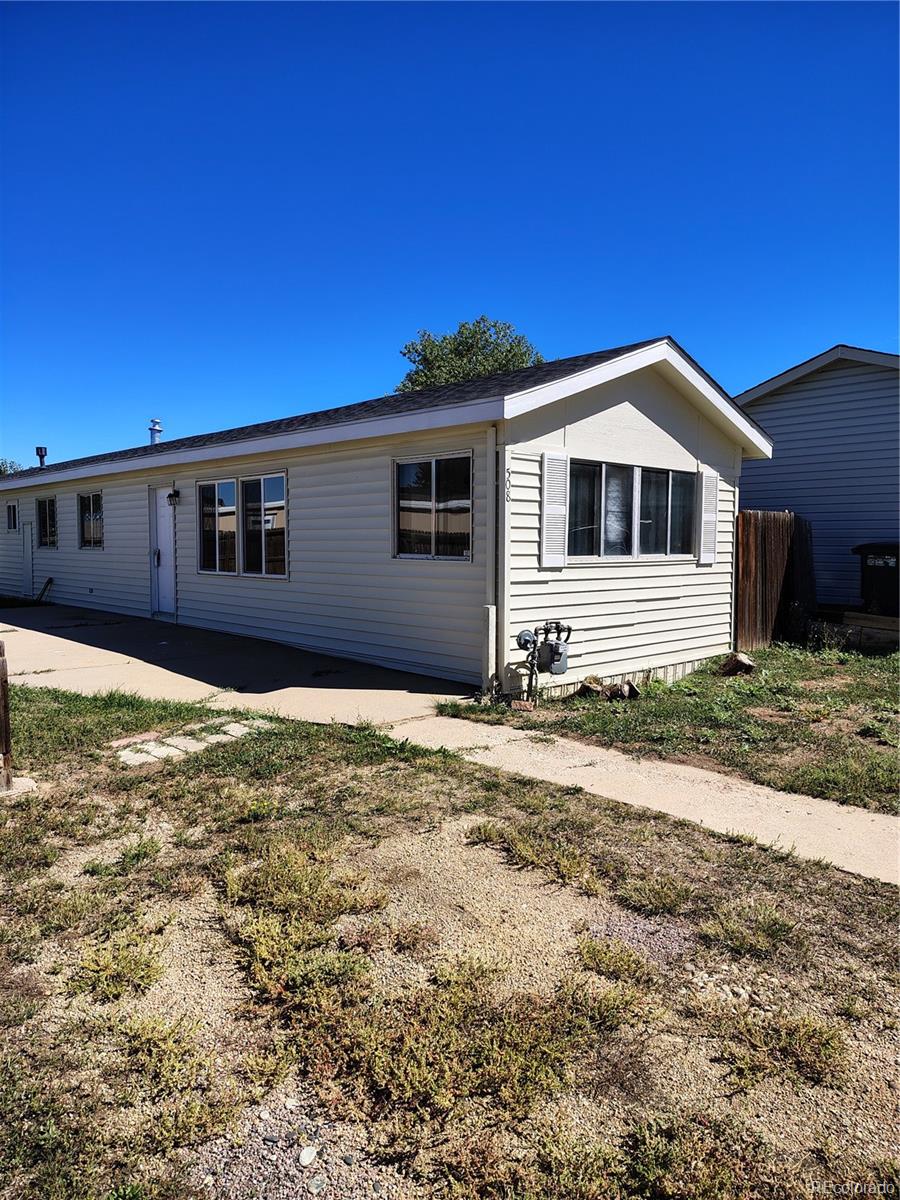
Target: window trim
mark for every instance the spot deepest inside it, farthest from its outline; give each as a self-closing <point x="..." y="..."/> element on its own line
<point x="14" y="505"/>
<point x="636" y="556"/>
<point x="240" y="561"/>
<point x="395" y="500"/>
<point x="39" y="500"/>
<point x="82" y="544"/>
<point x="238" y="572"/>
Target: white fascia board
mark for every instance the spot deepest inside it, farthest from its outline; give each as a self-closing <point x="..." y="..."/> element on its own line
<point x="353" y="431"/>
<point x="752" y="440"/>
<point x="872" y="358"/>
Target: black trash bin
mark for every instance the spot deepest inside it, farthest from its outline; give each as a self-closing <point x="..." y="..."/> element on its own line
<point x="879" y="580"/>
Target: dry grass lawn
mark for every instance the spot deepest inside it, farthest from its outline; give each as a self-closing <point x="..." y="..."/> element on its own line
<point x="453" y="982"/>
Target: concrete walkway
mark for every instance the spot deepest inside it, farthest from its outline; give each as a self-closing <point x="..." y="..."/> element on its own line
<point x="85" y="650"/>
<point x="88" y="651"/>
<point x="851" y="838"/>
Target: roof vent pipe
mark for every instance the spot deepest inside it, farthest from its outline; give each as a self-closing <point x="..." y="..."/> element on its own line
<point x="41" y="452"/>
<point x="155" y="430"/>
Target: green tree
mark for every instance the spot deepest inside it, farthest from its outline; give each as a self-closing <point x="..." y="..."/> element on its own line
<point x="9" y="466"/>
<point x="473" y="350"/>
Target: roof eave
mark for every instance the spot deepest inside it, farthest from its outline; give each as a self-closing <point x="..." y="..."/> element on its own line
<point x="478" y="412"/>
<point x="873" y="358"/>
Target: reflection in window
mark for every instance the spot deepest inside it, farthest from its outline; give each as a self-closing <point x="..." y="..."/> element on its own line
<point x="654" y="511"/>
<point x="46" y="513"/>
<point x="90" y="521"/>
<point x="602" y="516"/>
<point x="414" y="508"/>
<point x="452" y="506"/>
<point x="683" y="515"/>
<point x="263" y="529"/>
<point x="218" y="526"/>
<point x="434" y="507"/>
<point x="618" y="502"/>
<point x="585" y="486"/>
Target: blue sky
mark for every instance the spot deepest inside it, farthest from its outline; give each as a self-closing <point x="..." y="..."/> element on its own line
<point x="222" y="213"/>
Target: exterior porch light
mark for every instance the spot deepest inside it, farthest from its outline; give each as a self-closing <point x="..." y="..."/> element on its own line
<point x="172" y="497"/>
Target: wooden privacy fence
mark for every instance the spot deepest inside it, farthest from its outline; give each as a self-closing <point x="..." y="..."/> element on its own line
<point x="776" y="587"/>
<point x="6" y="778"/>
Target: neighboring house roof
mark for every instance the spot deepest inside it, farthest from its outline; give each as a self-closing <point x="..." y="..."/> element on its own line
<point x="873" y="358"/>
<point x="493" y="397"/>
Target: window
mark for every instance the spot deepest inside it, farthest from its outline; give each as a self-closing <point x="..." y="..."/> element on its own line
<point x="625" y="512"/>
<point x="90" y="521"/>
<point x="46" y="514"/>
<point x="263" y="526"/>
<point x="217" y="503"/>
<point x="433" y="498"/>
<point x="12" y="517"/>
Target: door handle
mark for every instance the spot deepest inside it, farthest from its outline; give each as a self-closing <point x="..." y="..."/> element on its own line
<point x="156" y="557"/>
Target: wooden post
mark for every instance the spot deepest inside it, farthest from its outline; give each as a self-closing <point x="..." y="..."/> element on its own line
<point x="6" y="778"/>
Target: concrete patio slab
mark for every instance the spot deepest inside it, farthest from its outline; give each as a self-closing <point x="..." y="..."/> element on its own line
<point x="88" y="651"/>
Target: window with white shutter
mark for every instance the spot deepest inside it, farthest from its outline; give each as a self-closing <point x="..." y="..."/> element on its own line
<point x="554" y="508"/>
<point x="709" y="516"/>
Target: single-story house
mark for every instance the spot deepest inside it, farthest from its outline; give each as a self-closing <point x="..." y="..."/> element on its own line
<point x="423" y="530"/>
<point x="834" y="420"/>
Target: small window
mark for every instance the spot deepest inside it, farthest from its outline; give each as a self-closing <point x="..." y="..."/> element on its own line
<point x="217" y="503"/>
<point x="627" y="512"/>
<point x="263" y="526"/>
<point x="12" y="517"/>
<point x="46" y="514"/>
<point x="90" y="521"/>
<point x="433" y="498"/>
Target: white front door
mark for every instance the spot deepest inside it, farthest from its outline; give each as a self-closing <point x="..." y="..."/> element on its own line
<point x="162" y="553"/>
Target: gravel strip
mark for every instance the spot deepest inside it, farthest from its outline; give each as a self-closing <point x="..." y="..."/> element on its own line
<point x="285" y="1149"/>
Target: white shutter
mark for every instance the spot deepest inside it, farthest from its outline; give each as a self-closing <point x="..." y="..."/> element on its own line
<point x="554" y="509"/>
<point x="709" y="516"/>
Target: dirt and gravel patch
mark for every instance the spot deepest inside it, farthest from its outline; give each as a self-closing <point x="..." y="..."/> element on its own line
<point x="314" y="961"/>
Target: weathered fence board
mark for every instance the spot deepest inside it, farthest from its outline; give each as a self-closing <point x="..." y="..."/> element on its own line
<point x="775" y="587"/>
<point x="6" y="778"/>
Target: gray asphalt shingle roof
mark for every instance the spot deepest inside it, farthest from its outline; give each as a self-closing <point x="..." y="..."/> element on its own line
<point x="396" y="403"/>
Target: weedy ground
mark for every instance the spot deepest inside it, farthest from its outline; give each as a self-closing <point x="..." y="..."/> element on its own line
<point x="517" y="992"/>
<point x="819" y="722"/>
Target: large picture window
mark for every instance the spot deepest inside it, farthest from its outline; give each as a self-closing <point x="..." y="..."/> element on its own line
<point x="625" y="512"/>
<point x="46" y="515"/>
<point x="218" y="526"/>
<point x="263" y="526"/>
<point x="90" y="521"/>
<point x="433" y="501"/>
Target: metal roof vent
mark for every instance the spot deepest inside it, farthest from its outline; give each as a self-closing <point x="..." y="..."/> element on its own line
<point x="156" y="430"/>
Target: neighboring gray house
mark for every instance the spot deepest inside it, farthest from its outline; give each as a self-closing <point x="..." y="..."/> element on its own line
<point x="423" y="530"/>
<point x="834" y="422"/>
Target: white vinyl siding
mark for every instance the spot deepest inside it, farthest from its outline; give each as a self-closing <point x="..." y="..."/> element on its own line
<point x="114" y="576"/>
<point x="345" y="593"/>
<point x="629" y="614"/>
<point x="836" y="462"/>
<point x="11" y="556"/>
